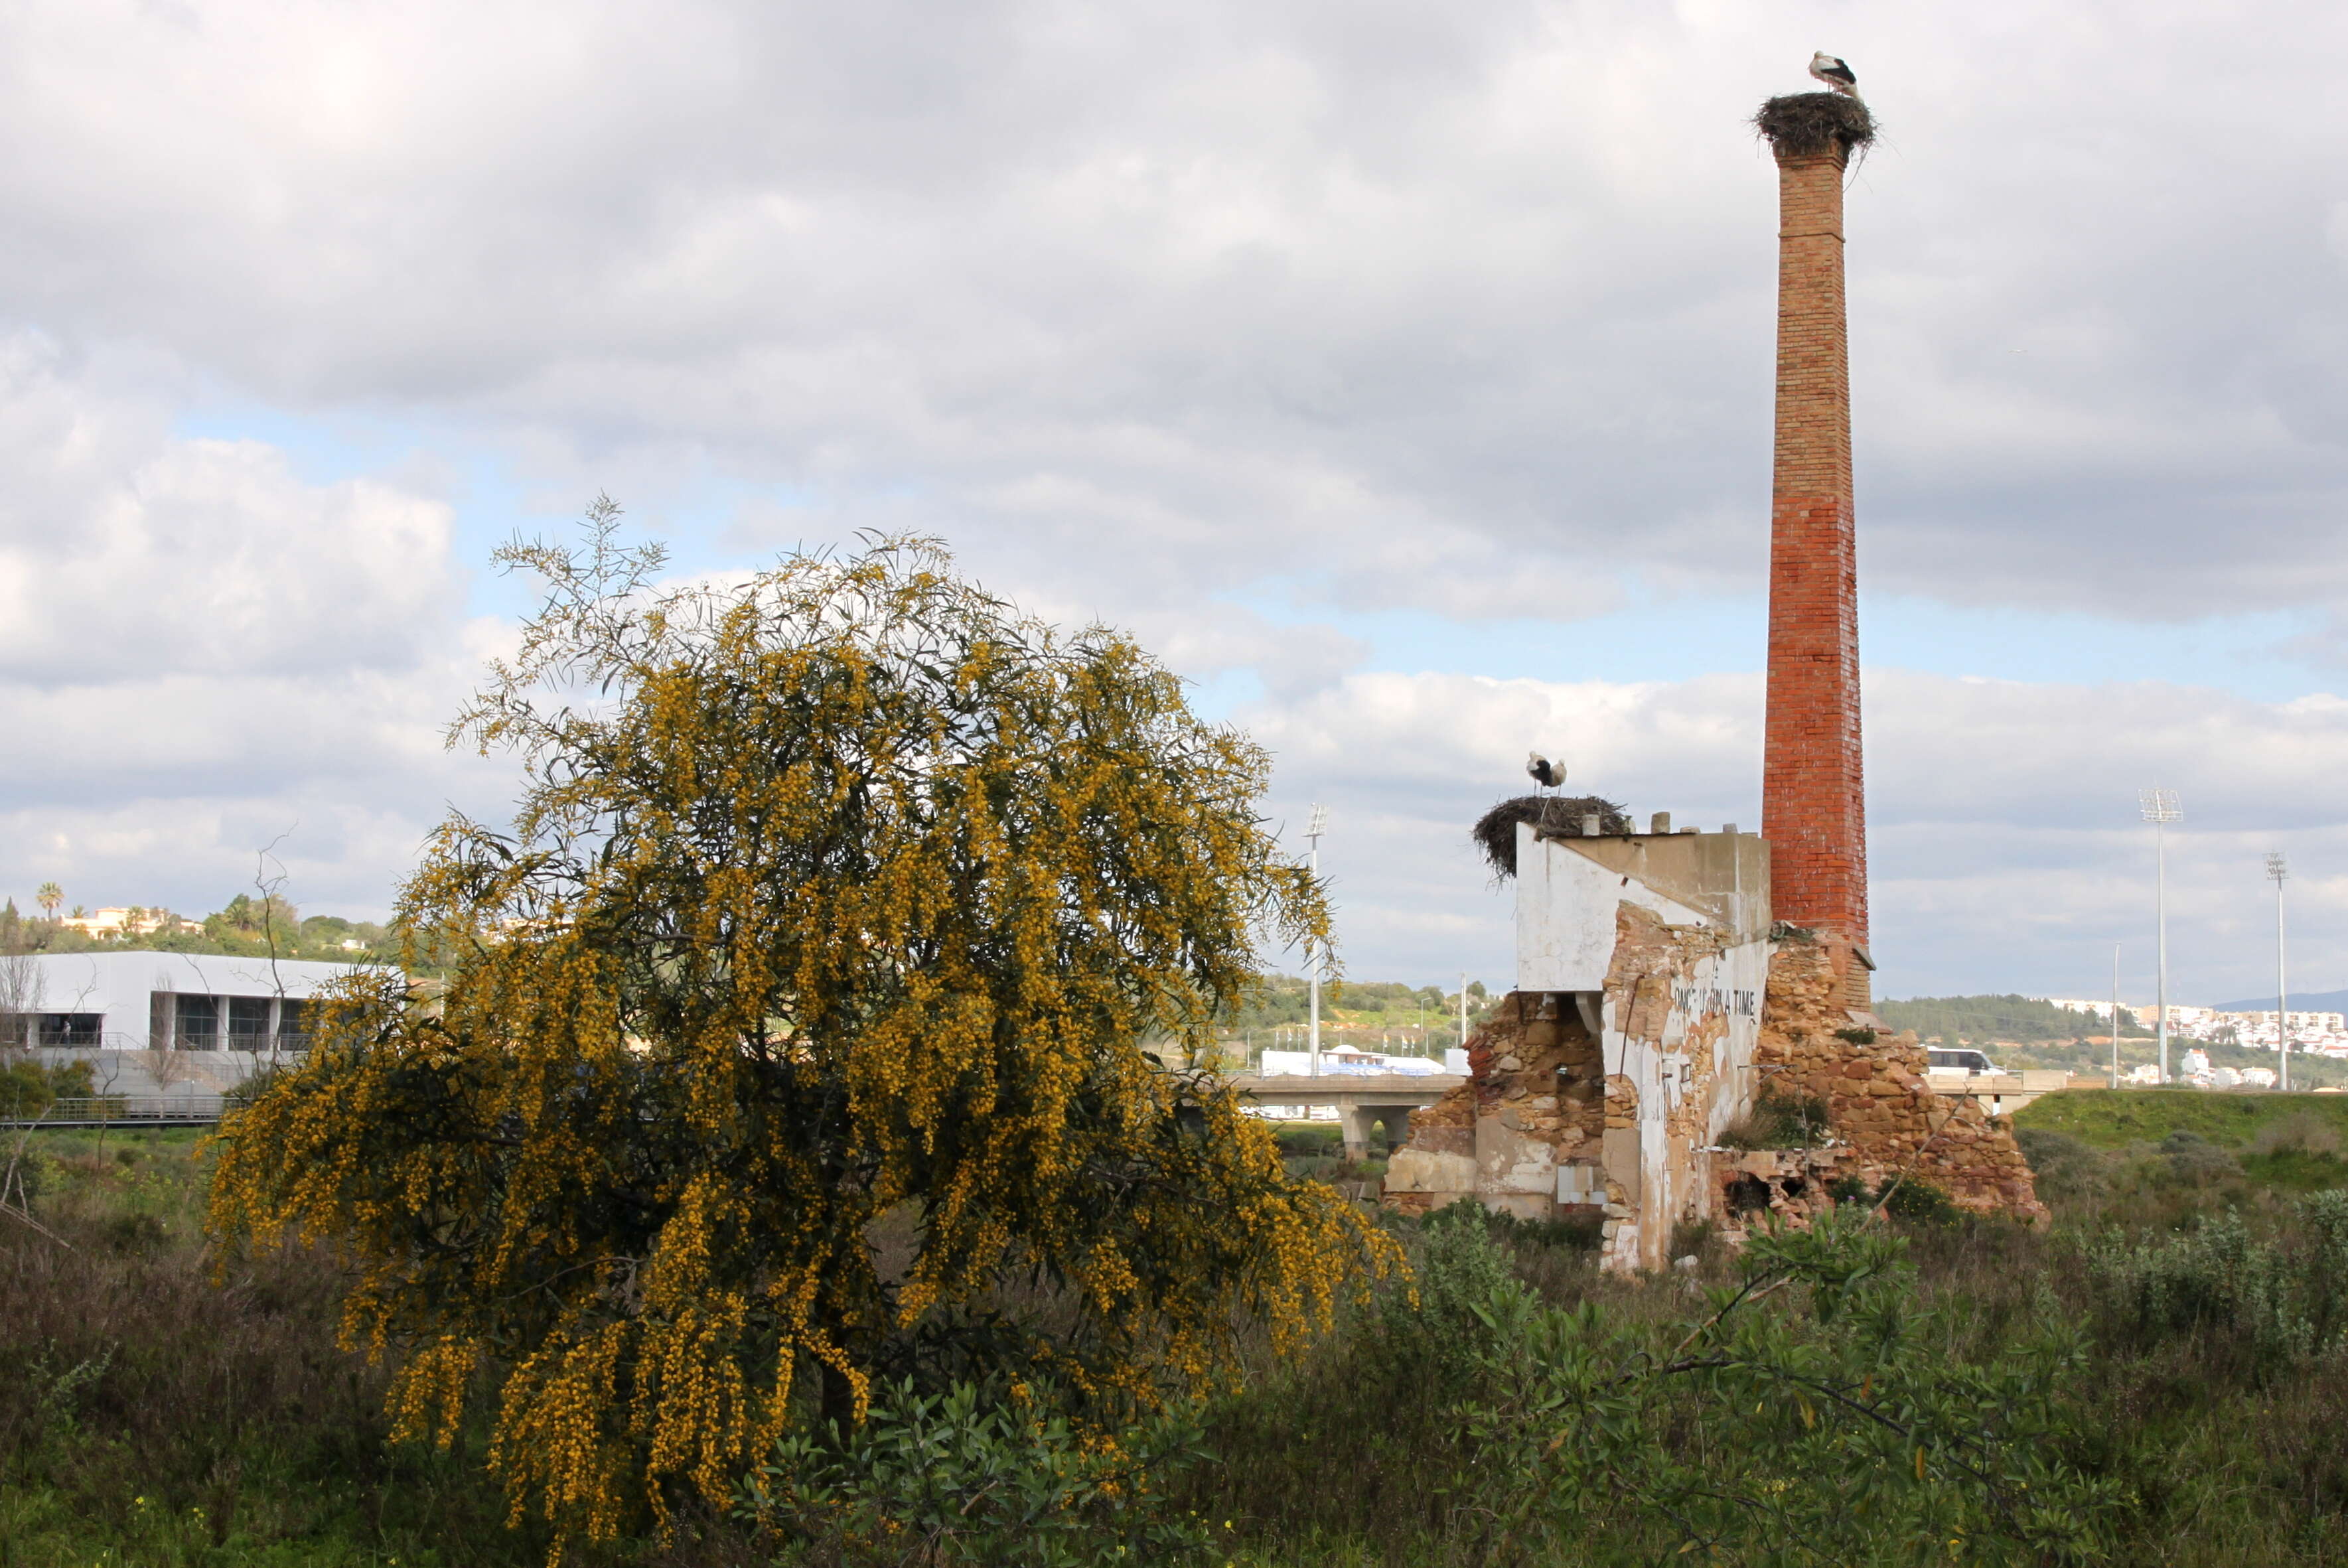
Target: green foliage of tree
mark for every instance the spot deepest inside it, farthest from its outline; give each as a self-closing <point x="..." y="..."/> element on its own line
<point x="838" y="895"/>
<point x="973" y="1477"/>
<point x="29" y="1087"/>
<point x="1978" y="1020"/>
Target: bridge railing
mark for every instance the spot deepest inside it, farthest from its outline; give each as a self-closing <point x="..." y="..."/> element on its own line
<point x="127" y="1110"/>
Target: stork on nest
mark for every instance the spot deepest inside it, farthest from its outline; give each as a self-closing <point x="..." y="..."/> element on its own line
<point x="1836" y="73"/>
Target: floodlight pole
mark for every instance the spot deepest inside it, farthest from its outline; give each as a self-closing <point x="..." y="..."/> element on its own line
<point x="1463" y="1009"/>
<point x="1317" y="825"/>
<point x="2161" y="808"/>
<point x="2278" y="871"/>
<point x="2116" y="1015"/>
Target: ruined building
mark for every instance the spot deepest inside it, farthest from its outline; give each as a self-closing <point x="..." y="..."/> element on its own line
<point x="1681" y="995"/>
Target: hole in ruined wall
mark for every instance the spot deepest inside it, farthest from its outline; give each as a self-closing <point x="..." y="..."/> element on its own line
<point x="1792" y="1187"/>
<point x="1748" y="1195"/>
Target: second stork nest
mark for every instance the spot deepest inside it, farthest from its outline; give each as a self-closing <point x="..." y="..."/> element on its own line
<point x="1495" y="831"/>
<point x="1801" y="125"/>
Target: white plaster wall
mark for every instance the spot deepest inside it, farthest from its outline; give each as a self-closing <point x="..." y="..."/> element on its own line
<point x="1728" y="986"/>
<point x="1565" y="915"/>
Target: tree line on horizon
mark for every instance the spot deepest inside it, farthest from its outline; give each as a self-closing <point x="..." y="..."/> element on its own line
<point x="244" y="927"/>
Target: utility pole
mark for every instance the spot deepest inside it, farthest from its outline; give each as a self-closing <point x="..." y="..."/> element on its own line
<point x="2116" y="1015"/>
<point x="2277" y="870"/>
<point x="1317" y="825"/>
<point x="1463" y="1009"/>
<point x="2160" y="808"/>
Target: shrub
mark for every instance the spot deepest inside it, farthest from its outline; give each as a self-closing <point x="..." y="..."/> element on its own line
<point x="1918" y="1203"/>
<point x="1779" y="1120"/>
<point x="962" y="1477"/>
<point x="2275" y="1302"/>
<point x="2301" y="1132"/>
<point x="2194" y="1159"/>
<point x="1806" y="1418"/>
<point x="2063" y="1166"/>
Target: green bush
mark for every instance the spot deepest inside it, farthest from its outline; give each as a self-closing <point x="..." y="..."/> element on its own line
<point x="27" y="1089"/>
<point x="1808" y="1416"/>
<point x="962" y="1479"/>
<point x="1918" y="1203"/>
<point x="1780" y="1119"/>
<point x="2063" y="1166"/>
<point x="2272" y="1302"/>
<point x="1515" y="1233"/>
<point x="2194" y="1159"/>
<point x="1310" y="1140"/>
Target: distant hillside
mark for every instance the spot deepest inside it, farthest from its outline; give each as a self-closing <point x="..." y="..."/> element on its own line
<point x="1980" y="1019"/>
<point x="2314" y="1001"/>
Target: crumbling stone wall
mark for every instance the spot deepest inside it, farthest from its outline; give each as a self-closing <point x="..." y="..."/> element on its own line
<point x="1558" y="1120"/>
<point x="1542" y="1128"/>
<point x="1877" y="1098"/>
<point x="1533" y="1101"/>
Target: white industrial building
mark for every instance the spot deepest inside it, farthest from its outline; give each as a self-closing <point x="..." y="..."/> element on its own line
<point x="161" y="1022"/>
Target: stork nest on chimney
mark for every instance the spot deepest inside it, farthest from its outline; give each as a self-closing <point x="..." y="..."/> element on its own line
<point x="1495" y="831"/>
<point x="1802" y="125"/>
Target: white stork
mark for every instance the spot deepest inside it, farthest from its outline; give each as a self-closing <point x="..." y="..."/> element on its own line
<point x="1836" y="73"/>
<point x="1547" y="774"/>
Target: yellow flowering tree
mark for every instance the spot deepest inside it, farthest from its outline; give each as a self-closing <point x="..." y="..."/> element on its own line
<point x="837" y="900"/>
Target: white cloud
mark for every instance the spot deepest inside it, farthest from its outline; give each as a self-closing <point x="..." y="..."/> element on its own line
<point x="2005" y="849"/>
<point x="1155" y="310"/>
<point x="200" y="653"/>
<point x="1446" y="302"/>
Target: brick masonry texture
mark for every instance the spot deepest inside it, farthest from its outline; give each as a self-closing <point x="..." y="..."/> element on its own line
<point x="1887" y="1121"/>
<point x="1813" y="801"/>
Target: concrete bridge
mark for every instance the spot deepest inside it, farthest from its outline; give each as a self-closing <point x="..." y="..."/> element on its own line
<point x="1361" y="1100"/>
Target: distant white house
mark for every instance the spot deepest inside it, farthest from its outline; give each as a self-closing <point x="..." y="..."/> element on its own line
<point x="160" y="1001"/>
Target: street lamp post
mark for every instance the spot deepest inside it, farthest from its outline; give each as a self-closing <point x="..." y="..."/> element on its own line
<point x="2116" y="1015"/>
<point x="1317" y="825"/>
<point x="2277" y="870"/>
<point x="2160" y="808"/>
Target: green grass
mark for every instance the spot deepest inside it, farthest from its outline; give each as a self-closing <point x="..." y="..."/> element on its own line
<point x="154" y="1414"/>
<point x="2113" y="1120"/>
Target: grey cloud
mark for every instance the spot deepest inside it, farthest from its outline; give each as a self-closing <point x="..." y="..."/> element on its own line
<point x="1306" y="284"/>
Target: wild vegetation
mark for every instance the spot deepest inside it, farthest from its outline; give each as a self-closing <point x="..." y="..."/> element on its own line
<point x="2160" y="1371"/>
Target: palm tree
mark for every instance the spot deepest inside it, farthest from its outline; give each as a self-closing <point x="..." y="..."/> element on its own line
<point x="48" y="896"/>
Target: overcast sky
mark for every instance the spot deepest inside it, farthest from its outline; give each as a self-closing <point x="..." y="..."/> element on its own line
<point x="1400" y="372"/>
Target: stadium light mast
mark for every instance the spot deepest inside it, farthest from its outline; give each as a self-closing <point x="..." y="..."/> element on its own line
<point x="2278" y="871"/>
<point x="1463" y="1009"/>
<point x="1315" y="826"/>
<point x="2161" y="808"/>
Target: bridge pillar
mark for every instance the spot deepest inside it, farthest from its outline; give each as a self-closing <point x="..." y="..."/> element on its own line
<point x="1355" y="1121"/>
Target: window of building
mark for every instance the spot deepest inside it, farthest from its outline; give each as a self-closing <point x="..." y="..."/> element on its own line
<point x="248" y="1023"/>
<point x="197" y="1024"/>
<point x="292" y="1025"/>
<point x="71" y="1031"/>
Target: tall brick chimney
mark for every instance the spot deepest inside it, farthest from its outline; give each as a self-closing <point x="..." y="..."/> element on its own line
<point x="1813" y="797"/>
